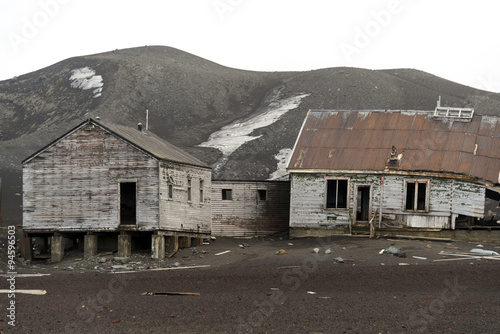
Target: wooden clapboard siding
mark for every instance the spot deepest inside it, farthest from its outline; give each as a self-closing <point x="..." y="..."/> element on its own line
<point x="447" y="196"/>
<point x="74" y="183"/>
<point x="245" y="214"/>
<point x="178" y="213"/>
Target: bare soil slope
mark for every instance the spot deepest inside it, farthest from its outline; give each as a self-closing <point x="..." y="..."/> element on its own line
<point x="190" y="98"/>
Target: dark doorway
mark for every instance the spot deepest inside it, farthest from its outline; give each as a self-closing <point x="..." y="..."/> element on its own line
<point x="363" y="203"/>
<point x="128" y="203"/>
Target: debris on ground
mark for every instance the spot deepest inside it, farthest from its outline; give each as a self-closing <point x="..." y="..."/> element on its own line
<point x="419" y="257"/>
<point x="328" y="251"/>
<point x="222" y="253"/>
<point x="483" y="251"/>
<point x="170" y="293"/>
<point x="281" y="252"/>
<point x="396" y="251"/>
<point x="339" y="260"/>
<point x="316" y="250"/>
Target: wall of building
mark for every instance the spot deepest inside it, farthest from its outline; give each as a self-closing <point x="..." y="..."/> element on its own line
<point x="178" y="212"/>
<point x="447" y="198"/>
<point x="74" y="184"/>
<point x="248" y="213"/>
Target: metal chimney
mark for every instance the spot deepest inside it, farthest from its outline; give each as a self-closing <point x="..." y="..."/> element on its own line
<point x="139" y="126"/>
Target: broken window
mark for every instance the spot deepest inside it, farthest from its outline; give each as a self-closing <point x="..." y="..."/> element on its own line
<point x="262" y="193"/>
<point x="227" y="194"/>
<point x="336" y="193"/>
<point x="417" y="195"/>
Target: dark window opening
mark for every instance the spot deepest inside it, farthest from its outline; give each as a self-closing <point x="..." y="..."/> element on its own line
<point x="227" y="194"/>
<point x="128" y="203"/>
<point x="416" y="195"/>
<point x="189" y="190"/>
<point x="336" y="194"/>
<point x="202" y="199"/>
<point x="262" y="195"/>
<point x="170" y="191"/>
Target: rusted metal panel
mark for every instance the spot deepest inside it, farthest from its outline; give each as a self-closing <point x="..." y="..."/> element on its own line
<point x="255" y="208"/>
<point x="446" y="141"/>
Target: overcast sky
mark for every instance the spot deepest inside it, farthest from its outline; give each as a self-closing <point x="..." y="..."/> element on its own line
<point x="457" y="40"/>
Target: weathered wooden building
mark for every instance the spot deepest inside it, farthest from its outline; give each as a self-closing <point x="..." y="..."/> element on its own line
<point x="250" y="208"/>
<point x="411" y="170"/>
<point x="101" y="180"/>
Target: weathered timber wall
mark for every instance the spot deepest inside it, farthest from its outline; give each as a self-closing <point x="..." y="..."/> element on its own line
<point x="246" y="214"/>
<point x="446" y="197"/>
<point x="180" y="213"/>
<point x="74" y="184"/>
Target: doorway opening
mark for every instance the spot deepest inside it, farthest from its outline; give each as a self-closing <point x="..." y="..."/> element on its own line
<point x="363" y="203"/>
<point x="128" y="199"/>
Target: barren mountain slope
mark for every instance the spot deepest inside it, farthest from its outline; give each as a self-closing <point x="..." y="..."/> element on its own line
<point x="197" y="105"/>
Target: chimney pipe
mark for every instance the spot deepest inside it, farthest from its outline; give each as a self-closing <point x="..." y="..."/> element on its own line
<point x="139" y="126"/>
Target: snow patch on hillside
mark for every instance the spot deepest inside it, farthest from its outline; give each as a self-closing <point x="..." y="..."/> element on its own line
<point x="84" y="78"/>
<point x="231" y="137"/>
<point x="282" y="158"/>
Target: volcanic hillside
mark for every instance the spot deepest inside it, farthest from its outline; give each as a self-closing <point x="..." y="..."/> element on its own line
<point x="243" y="123"/>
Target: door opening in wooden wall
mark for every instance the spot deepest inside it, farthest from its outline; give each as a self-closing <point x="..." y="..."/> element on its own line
<point x="363" y="203"/>
<point x="128" y="201"/>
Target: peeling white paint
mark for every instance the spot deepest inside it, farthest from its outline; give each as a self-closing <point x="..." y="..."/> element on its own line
<point x="84" y="78"/>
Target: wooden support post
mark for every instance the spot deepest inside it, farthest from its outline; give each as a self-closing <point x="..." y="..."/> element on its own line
<point x="26" y="248"/>
<point x="171" y="244"/>
<point x="158" y="247"/>
<point x="57" y="249"/>
<point x="184" y="242"/>
<point x="124" y="245"/>
<point x="90" y="245"/>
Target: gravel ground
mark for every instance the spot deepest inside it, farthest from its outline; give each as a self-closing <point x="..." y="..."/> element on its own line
<point x="251" y="289"/>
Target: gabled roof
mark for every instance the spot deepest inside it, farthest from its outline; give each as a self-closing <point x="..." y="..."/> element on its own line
<point x="143" y="140"/>
<point x="346" y="140"/>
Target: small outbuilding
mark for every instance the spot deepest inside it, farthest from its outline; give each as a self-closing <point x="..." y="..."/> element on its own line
<point x="413" y="171"/>
<point x="250" y="208"/>
<point x="105" y="185"/>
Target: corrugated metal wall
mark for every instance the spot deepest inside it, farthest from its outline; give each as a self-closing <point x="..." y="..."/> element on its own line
<point x="246" y="214"/>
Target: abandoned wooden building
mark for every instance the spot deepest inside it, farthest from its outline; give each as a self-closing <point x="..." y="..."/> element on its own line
<point x="250" y="208"/>
<point x="412" y="171"/>
<point x="105" y="185"/>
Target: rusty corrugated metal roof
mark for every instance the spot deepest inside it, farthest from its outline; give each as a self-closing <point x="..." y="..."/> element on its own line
<point x="363" y="140"/>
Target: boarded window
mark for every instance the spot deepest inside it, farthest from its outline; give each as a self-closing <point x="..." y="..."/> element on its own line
<point x="417" y="195"/>
<point x="227" y="194"/>
<point x="262" y="193"/>
<point x="336" y="193"/>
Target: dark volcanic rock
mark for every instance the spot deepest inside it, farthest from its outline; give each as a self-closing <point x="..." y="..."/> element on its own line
<point x="190" y="98"/>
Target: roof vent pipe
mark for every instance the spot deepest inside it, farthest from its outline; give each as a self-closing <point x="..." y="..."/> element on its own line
<point x="139" y="126"/>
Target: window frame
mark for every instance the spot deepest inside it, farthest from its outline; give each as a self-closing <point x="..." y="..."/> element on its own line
<point x="262" y="195"/>
<point x="347" y="194"/>
<point x="416" y="193"/>
<point x="224" y="194"/>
